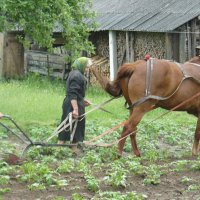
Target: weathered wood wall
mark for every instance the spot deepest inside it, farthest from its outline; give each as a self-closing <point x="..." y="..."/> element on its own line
<point x="53" y="65"/>
<point x="12" y="55"/>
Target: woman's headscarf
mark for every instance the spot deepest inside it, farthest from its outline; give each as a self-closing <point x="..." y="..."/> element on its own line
<point x="80" y="64"/>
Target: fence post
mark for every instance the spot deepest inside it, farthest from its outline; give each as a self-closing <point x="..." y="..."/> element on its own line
<point x="48" y="67"/>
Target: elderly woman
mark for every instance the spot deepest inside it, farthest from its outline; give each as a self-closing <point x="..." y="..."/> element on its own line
<point x="74" y="101"/>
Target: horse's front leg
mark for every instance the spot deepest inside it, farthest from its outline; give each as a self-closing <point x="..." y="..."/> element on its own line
<point x="131" y="127"/>
<point x="195" y="147"/>
<point x="134" y="144"/>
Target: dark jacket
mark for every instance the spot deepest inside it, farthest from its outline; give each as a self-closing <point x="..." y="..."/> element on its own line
<point x="75" y="89"/>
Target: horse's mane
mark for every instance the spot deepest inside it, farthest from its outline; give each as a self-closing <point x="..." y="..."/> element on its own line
<point x="127" y="69"/>
<point x="195" y="59"/>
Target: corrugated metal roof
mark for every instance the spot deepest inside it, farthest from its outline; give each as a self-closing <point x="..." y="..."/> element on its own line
<point x="144" y="15"/>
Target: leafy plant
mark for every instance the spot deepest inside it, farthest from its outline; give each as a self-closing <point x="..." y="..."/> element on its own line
<point x="92" y="183"/>
<point x="180" y="165"/>
<point x="116" y="176"/>
<point x="136" y="167"/>
<point x="153" y="174"/>
<point x="36" y="186"/>
<point x="5" y="169"/>
<point x="4" y="179"/>
<point x="37" y="173"/>
<point x="186" y="180"/>
<point x="119" y="196"/>
<point x="66" y="166"/>
<point x="196" y="165"/>
<point x="76" y="196"/>
<point x="193" y="187"/>
<point x="4" y="190"/>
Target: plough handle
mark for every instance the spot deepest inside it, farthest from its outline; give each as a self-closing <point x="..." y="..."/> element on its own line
<point x="9" y="118"/>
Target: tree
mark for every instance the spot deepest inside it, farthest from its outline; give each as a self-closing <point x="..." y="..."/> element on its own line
<point x="39" y="18"/>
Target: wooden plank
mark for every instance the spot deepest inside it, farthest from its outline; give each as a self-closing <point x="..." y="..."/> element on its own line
<point x="127" y="47"/>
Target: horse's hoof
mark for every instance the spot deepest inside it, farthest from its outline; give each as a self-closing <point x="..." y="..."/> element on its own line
<point x="119" y="155"/>
<point x="137" y="154"/>
<point x="194" y="154"/>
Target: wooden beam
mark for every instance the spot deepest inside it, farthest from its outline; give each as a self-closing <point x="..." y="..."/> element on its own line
<point x="182" y="47"/>
<point x="1" y="53"/>
<point x="127" y="47"/>
<point x="132" y="48"/>
<point x="168" y="46"/>
<point x="193" y="37"/>
<point x="113" y="54"/>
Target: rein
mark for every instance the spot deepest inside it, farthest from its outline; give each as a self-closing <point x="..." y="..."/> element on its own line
<point x="65" y="125"/>
<point x="89" y="143"/>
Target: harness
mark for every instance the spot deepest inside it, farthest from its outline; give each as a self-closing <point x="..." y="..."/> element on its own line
<point x="148" y="79"/>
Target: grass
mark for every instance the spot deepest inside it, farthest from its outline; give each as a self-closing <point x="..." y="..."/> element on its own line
<point x="39" y="100"/>
<point x="31" y="100"/>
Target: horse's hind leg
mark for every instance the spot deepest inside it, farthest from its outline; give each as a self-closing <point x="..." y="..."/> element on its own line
<point x="195" y="147"/>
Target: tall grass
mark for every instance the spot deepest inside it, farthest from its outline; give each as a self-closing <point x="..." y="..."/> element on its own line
<point x="32" y="100"/>
<point x="36" y="99"/>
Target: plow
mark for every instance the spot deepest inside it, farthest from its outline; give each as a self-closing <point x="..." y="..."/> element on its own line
<point x="27" y="141"/>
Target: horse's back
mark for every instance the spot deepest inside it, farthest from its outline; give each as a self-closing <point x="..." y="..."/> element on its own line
<point x="164" y="78"/>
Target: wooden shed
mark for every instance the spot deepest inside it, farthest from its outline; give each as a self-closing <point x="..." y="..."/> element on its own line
<point x="11" y="55"/>
<point x="13" y="61"/>
<point x="128" y="30"/>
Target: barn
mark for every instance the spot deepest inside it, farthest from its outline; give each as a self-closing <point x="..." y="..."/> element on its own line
<point x="127" y="30"/>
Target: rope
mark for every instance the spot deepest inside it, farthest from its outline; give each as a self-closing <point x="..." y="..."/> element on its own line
<point x="88" y="143"/>
<point x="65" y="125"/>
<point x="105" y="133"/>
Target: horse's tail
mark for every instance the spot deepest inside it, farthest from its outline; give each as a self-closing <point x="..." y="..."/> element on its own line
<point x="113" y="88"/>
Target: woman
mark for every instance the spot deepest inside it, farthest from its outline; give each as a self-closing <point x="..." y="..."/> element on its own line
<point x="74" y="101"/>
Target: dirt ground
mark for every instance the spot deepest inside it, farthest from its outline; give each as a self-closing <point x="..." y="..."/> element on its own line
<point x="169" y="188"/>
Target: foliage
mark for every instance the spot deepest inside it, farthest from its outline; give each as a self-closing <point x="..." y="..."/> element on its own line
<point x="119" y="196"/>
<point x="76" y="196"/>
<point x="4" y="179"/>
<point x="153" y="174"/>
<point x="92" y="183"/>
<point x="40" y="18"/>
<point x="37" y="173"/>
<point x="65" y="166"/>
<point x="4" y="190"/>
<point x="117" y="175"/>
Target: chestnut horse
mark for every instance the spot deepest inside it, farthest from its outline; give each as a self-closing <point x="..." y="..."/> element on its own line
<point x="154" y="83"/>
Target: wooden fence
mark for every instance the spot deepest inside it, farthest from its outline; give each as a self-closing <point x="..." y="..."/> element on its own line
<point x="52" y="65"/>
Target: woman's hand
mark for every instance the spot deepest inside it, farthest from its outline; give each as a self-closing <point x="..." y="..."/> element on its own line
<point x="75" y="113"/>
<point x="87" y="103"/>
